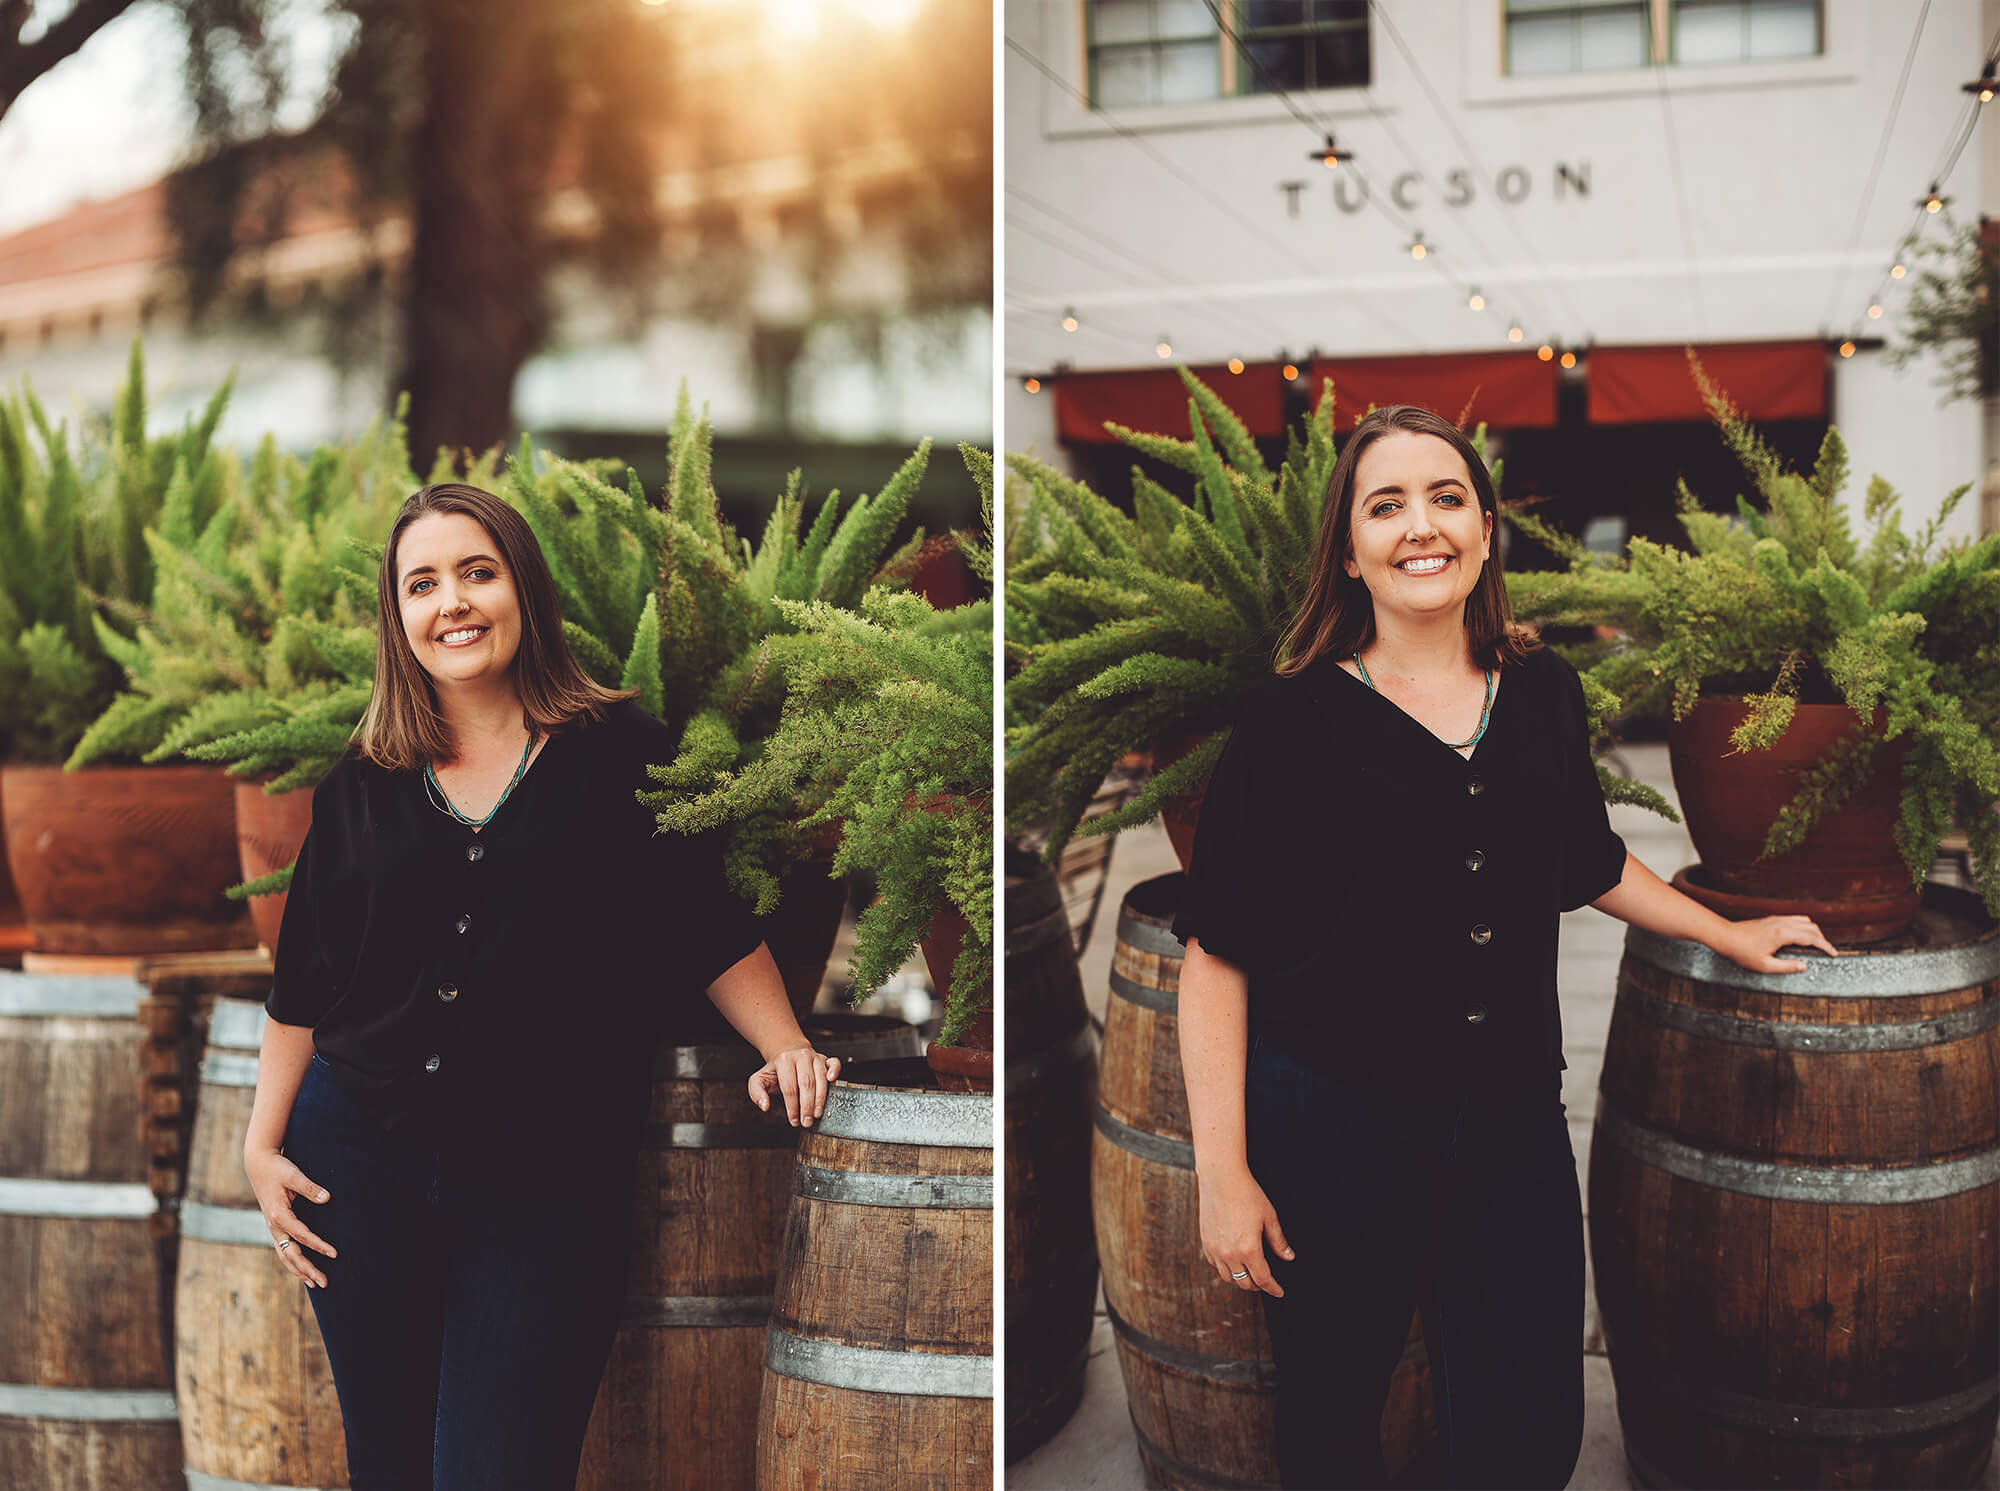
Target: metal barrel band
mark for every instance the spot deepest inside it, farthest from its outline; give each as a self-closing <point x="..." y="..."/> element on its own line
<point x="895" y="1115"/>
<point x="240" y="1226"/>
<point x="1030" y="1071"/>
<point x="77" y="1199"/>
<point x="1163" y="1001"/>
<point x="95" y="1404"/>
<point x="1193" y="1475"/>
<point x="1860" y="974"/>
<point x="201" y="1480"/>
<point x="1781" y="1181"/>
<point x="236" y="1025"/>
<point x="865" y="1369"/>
<point x="1807" y="1420"/>
<point x="687" y="1311"/>
<point x="1773" y="1035"/>
<point x="1032" y="937"/>
<point x="1147" y="1146"/>
<point x="905" y="1192"/>
<point x="229" y="1069"/>
<point x="721" y="1136"/>
<point x="1234" y="1372"/>
<point x="85" y="997"/>
<point x="1143" y="936"/>
<point x="704" y="1063"/>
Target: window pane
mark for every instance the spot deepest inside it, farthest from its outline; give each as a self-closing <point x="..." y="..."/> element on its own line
<point x="1611" y="40"/>
<point x="1188" y="73"/>
<point x="1126" y="77"/>
<point x="1340" y="60"/>
<point x="1708" y="33"/>
<point x="1539" y="45"/>
<point x="1784" y="28"/>
<point x="1279" y="63"/>
<point x="1181" y="18"/>
<point x="1260" y="13"/>
<point x="1122" y="20"/>
<point x="1514" y="7"/>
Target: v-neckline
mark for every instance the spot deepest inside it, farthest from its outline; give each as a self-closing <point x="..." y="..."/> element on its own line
<point x="1499" y="682"/>
<point x="513" y="796"/>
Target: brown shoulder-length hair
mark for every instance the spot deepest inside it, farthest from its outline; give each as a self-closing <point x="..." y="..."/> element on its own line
<point x="403" y="727"/>
<point x="1338" y="614"/>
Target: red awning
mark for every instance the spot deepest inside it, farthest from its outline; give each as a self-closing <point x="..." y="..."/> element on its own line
<point x="1512" y="390"/>
<point x="1655" y="385"/>
<point x="1154" y="400"/>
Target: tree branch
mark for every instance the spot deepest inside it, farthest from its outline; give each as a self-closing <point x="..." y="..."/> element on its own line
<point x="21" y="65"/>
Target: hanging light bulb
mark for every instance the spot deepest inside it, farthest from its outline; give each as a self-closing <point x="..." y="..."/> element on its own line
<point x="1875" y="312"/>
<point x="1033" y="385"/>
<point x="1165" y="348"/>
<point x="1291" y="372"/>
<point x="1514" y="333"/>
<point x="1847" y="349"/>
<point x="1418" y="248"/>
<point x="1981" y="88"/>
<point x="1932" y="202"/>
<point x="1545" y="352"/>
<point x="1475" y="300"/>
<point x="1069" y="320"/>
<point x="1569" y="359"/>
<point x="1897" y="271"/>
<point x="1331" y="156"/>
<point x="1235" y="364"/>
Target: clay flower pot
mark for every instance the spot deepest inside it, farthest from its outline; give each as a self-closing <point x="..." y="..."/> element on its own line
<point x="123" y="860"/>
<point x="269" y="832"/>
<point x="1181" y="814"/>
<point x="968" y="1066"/>
<point x="1847" y="875"/>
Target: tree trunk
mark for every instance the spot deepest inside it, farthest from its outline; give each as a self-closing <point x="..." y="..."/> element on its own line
<point x="476" y="308"/>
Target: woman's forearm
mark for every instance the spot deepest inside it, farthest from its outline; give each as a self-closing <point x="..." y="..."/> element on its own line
<point x="751" y="997"/>
<point x="1215" y="1042"/>
<point x="282" y="1059"/>
<point x="1645" y="900"/>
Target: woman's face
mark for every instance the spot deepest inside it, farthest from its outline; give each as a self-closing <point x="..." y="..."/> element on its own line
<point x="449" y="582"/>
<point x="1413" y="499"/>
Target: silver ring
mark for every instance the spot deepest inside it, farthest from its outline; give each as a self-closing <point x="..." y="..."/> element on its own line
<point x="1244" y="1275"/>
<point x="284" y="1245"/>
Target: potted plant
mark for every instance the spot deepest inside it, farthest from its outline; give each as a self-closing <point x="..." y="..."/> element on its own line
<point x="1834" y="704"/>
<point x="885" y="730"/>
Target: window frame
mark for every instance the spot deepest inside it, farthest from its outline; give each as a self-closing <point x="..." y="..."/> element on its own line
<point x="1662" y="41"/>
<point x="1232" y="72"/>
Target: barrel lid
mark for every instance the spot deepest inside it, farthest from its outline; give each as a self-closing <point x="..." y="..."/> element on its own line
<point x="906" y="1115"/>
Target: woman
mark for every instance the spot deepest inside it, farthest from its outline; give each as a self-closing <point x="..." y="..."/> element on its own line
<point x="1368" y="1016"/>
<point x="482" y="940"/>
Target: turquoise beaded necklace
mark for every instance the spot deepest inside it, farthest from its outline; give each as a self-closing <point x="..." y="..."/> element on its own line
<point x="1484" y="714"/>
<point x="431" y="781"/>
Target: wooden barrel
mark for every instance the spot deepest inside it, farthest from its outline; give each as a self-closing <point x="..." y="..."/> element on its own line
<point x="879" y="1358"/>
<point x="676" y="1408"/>
<point x="85" y="1394"/>
<point x="1051" y="1252"/>
<point x="1199" y="1379"/>
<point x="1795" y="1210"/>
<point x="257" y="1401"/>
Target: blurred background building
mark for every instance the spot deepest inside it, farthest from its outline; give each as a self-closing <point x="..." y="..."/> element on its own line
<point x="1527" y="206"/>
<point x="536" y="215"/>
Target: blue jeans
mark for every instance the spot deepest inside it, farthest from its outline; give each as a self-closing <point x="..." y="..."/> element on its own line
<point x="1454" y="1196"/>
<point x="467" y="1324"/>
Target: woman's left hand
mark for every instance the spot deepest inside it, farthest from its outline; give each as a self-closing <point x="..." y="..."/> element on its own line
<point x="803" y="1076"/>
<point x="1752" y="944"/>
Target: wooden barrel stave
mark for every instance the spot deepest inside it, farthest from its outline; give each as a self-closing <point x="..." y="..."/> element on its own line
<point x="85" y="1399"/>
<point x="1794" y="1201"/>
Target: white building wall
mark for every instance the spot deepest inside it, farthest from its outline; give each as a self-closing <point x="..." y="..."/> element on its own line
<point x="1190" y="229"/>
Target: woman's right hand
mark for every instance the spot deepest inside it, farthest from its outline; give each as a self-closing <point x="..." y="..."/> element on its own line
<point x="1236" y="1218"/>
<point x="276" y="1180"/>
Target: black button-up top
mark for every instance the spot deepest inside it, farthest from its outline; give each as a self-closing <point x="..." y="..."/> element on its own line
<point x="502" y="992"/>
<point x="1393" y="902"/>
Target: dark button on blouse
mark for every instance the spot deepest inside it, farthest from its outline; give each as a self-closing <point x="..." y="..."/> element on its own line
<point x="1330" y="857"/>
<point x="597" y="937"/>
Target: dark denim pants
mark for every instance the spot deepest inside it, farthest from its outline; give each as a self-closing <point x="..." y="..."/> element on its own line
<point x="1457" y="1197"/>
<point x="467" y="1320"/>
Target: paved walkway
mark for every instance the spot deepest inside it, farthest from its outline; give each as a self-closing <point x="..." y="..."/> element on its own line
<point x="1095" y="1451"/>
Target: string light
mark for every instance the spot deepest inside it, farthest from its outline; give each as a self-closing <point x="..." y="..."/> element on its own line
<point x="1545" y="352"/>
<point x="1514" y="333"/>
<point x="1331" y="156"/>
<point x="1875" y="312"/>
<point x="1166" y="348"/>
<point x="1476" y="301"/>
<point x="1291" y="372"/>
<point x="1033" y="385"/>
<point x="1932" y="202"/>
<point x="1982" y="88"/>
<point x="1069" y="320"/>
<point x="1418" y="248"/>
<point x="1569" y="359"/>
<point x="1847" y="349"/>
<point x="1897" y="271"/>
<point x="1235" y="364"/>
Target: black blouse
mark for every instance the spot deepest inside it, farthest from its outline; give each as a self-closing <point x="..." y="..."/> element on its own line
<point x="503" y="991"/>
<point x="1392" y="901"/>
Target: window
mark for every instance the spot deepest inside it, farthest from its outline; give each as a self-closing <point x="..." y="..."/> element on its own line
<point x="1170" y="51"/>
<point x="1575" y="36"/>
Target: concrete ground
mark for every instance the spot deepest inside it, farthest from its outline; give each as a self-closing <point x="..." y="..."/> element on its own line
<point x="1095" y="1450"/>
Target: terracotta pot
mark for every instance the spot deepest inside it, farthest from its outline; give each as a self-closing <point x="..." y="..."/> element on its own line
<point x="1847" y="875"/>
<point x="125" y="859"/>
<point x="15" y="937"/>
<point x="968" y="1066"/>
<point x="269" y="832"/>
<point x="1183" y="813"/>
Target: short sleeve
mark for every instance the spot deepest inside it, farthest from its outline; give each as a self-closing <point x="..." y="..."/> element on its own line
<point x="302" y="988"/>
<point x="721" y="928"/>
<point x="1593" y="857"/>
<point x="1215" y="904"/>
